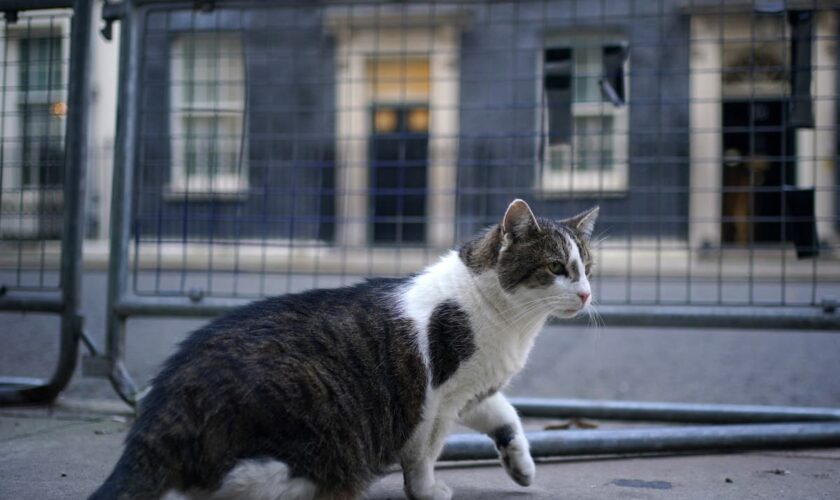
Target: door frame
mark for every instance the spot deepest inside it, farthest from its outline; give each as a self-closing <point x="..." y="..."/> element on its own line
<point x="359" y="39"/>
<point x="815" y="148"/>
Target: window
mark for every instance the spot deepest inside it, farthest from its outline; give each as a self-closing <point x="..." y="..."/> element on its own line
<point x="41" y="109"/>
<point x="207" y="103"/>
<point x="35" y="52"/>
<point x="584" y="116"/>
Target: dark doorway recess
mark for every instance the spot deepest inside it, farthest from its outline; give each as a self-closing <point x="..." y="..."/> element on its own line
<point x="399" y="157"/>
<point x="759" y="160"/>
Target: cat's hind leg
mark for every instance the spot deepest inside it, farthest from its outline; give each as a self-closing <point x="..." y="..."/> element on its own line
<point x="497" y="418"/>
<point x="420" y="483"/>
<point x="418" y="462"/>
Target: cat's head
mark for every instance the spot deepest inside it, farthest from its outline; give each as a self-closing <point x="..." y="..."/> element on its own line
<point x="538" y="260"/>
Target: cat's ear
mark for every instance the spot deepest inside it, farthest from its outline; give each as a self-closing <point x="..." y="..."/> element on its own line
<point x="519" y="220"/>
<point x="584" y="223"/>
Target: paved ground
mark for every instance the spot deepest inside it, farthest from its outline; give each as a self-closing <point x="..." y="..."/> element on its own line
<point x="64" y="453"/>
<point x="37" y="446"/>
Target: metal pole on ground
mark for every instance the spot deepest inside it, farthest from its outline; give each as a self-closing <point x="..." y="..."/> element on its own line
<point x="670" y="412"/>
<point x="654" y="440"/>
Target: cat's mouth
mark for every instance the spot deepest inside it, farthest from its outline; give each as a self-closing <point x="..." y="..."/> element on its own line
<point x="569" y="313"/>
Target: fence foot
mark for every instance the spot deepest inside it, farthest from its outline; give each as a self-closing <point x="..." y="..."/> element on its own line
<point x="123" y="383"/>
<point x="28" y="391"/>
<point x="22" y="391"/>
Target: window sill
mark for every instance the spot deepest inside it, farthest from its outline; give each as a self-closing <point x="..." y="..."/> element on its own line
<point x="183" y="195"/>
<point x="566" y="193"/>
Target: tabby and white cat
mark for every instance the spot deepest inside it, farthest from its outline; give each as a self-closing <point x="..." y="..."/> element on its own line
<point x="314" y="395"/>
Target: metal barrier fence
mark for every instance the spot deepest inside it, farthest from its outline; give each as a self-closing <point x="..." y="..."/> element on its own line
<point x="264" y="148"/>
<point x="269" y="148"/>
<point x="43" y="108"/>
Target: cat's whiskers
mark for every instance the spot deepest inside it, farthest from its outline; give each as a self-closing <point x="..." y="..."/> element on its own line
<point x="531" y="307"/>
<point x="502" y="318"/>
<point x="596" y="240"/>
<point x="517" y="310"/>
<point x="596" y="321"/>
<point x="518" y="307"/>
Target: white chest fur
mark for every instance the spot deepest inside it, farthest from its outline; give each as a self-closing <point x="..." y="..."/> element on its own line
<point x="502" y="332"/>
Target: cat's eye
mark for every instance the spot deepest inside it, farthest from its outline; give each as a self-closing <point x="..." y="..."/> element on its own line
<point x="557" y="268"/>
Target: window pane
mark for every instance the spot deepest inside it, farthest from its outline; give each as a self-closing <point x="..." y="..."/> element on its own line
<point x="557" y="83"/>
<point x="588" y="65"/>
<point x="208" y="103"/>
<point x="401" y="79"/>
<point x="40" y="63"/>
<point x="211" y="71"/>
<point x="560" y="157"/>
<point x="755" y="57"/>
<point x="212" y="145"/>
<point x="43" y="148"/>
<point x="593" y="143"/>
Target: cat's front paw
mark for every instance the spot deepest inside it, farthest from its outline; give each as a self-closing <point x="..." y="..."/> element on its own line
<point x="438" y="491"/>
<point x="518" y="464"/>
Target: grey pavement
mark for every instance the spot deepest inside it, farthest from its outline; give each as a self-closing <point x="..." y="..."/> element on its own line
<point x="64" y="451"/>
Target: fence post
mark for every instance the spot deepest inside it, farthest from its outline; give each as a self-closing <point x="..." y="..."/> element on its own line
<point x="121" y="200"/>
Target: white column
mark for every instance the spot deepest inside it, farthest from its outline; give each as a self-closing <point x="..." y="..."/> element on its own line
<point x="705" y="178"/>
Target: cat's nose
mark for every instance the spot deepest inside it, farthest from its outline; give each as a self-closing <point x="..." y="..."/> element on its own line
<point x="583" y="297"/>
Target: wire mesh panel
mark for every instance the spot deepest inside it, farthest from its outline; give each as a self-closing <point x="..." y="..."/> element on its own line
<point x="34" y="63"/>
<point x="309" y="144"/>
<point x="43" y="132"/>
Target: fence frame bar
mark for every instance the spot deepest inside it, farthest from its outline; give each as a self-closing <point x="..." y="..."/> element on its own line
<point x="20" y="391"/>
<point x="21" y="5"/>
<point x="121" y="201"/>
<point x="789" y="318"/>
<point x="46" y="302"/>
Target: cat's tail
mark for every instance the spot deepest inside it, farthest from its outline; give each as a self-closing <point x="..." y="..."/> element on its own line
<point x="137" y="476"/>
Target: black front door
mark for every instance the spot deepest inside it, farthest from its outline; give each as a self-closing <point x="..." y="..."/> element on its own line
<point x="399" y="155"/>
<point x="759" y="159"/>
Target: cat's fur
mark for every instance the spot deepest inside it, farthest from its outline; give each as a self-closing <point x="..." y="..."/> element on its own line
<point x="313" y="395"/>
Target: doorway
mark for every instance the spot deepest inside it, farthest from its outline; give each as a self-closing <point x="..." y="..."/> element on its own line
<point x="399" y="157"/>
<point x="759" y="159"/>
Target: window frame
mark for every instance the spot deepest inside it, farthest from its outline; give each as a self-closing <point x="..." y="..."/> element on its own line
<point x="49" y="24"/>
<point x="200" y="185"/>
<point x="30" y="209"/>
<point x="573" y="182"/>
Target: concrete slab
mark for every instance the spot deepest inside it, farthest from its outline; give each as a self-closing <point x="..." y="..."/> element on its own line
<point x="730" y="476"/>
<point x="67" y="451"/>
<point x="49" y="458"/>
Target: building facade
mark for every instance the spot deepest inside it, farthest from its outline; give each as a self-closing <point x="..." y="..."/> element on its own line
<point x="415" y="124"/>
